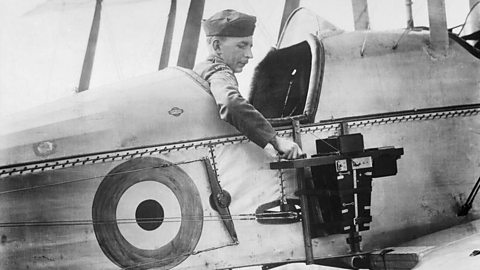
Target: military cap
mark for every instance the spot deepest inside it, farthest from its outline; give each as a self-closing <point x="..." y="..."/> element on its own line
<point x="230" y="23"/>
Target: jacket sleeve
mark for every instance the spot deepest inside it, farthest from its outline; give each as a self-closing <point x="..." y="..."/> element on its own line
<point x="237" y="111"/>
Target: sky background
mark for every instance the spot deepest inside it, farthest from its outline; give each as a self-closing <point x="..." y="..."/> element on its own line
<point x="43" y="42"/>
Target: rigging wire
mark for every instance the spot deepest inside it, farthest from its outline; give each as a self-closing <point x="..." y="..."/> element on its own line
<point x="195" y="252"/>
<point x="118" y="173"/>
<point x="466" y="18"/>
<point x="325" y="142"/>
<point x="405" y="32"/>
<point x="97" y="177"/>
<point x="84" y="222"/>
<point x="127" y="221"/>
<point x="267" y="34"/>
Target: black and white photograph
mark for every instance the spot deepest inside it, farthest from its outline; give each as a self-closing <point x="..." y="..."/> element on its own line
<point x="240" y="134"/>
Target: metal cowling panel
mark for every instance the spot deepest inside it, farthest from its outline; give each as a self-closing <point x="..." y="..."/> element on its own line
<point x="378" y="72"/>
<point x="165" y="107"/>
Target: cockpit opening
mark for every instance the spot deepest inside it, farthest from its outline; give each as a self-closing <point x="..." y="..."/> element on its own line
<point x="287" y="82"/>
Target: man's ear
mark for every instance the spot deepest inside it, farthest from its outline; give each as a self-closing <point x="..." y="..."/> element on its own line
<point x="216" y="46"/>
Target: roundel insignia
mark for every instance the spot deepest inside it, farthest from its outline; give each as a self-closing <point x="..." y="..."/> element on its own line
<point x="147" y="213"/>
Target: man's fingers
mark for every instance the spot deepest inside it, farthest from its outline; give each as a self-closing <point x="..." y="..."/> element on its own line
<point x="291" y="154"/>
<point x="301" y="154"/>
<point x="297" y="152"/>
<point x="287" y="149"/>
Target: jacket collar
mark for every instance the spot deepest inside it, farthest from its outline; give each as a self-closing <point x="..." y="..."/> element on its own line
<point x="215" y="59"/>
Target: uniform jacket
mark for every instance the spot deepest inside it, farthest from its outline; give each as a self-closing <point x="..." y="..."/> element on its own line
<point x="232" y="107"/>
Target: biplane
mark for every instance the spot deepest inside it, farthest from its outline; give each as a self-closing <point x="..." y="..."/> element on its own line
<point x="143" y="174"/>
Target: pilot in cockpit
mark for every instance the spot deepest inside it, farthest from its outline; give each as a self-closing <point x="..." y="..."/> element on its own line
<point x="229" y="36"/>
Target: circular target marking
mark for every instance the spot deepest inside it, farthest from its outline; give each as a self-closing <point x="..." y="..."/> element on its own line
<point x="149" y="215"/>
<point x="134" y="192"/>
<point x="130" y="203"/>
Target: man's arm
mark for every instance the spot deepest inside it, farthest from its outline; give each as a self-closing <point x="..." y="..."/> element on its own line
<point x="237" y="111"/>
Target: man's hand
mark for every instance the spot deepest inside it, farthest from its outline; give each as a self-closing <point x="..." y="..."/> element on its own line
<point x="287" y="149"/>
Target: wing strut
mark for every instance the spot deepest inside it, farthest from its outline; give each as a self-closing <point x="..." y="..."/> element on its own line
<point x="188" y="48"/>
<point x="92" y="45"/>
<point x="408" y="4"/>
<point x="360" y="14"/>
<point x="290" y="5"/>
<point x="167" y="41"/>
<point x="438" y="26"/>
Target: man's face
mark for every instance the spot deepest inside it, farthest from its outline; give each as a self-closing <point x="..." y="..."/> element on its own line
<point x="236" y="51"/>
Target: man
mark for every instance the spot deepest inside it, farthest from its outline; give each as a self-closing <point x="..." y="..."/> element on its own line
<point x="229" y="36"/>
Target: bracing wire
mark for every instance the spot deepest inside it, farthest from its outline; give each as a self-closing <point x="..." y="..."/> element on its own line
<point x="270" y="215"/>
<point x="84" y="222"/>
<point x="466" y="18"/>
<point x="325" y="142"/>
<point x="95" y="177"/>
<point x="405" y="32"/>
<point x="266" y="33"/>
<point x="130" y="221"/>
<point x="195" y="252"/>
